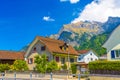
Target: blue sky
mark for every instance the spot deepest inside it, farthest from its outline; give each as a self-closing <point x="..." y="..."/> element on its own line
<point x="22" y="20"/>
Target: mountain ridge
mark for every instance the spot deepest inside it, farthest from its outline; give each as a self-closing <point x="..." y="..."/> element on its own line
<point x="80" y="33"/>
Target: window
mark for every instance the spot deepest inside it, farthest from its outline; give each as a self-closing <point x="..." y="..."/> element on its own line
<point x="57" y="59"/>
<point x="34" y="49"/>
<point x="47" y="58"/>
<point x="112" y="54"/>
<point x="30" y="60"/>
<point x="43" y="48"/>
<point x="91" y="59"/>
<point x="62" y="60"/>
<point x="71" y="60"/>
<point x="115" y="54"/>
<point x="79" y="58"/>
<point x="91" y="54"/>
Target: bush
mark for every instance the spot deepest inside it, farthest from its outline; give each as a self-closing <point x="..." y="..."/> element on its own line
<point x="52" y="66"/>
<point x="73" y="68"/>
<point x="64" y="67"/>
<point x="19" y="65"/>
<point x="41" y="63"/>
<point x="104" y="67"/>
<point x="4" y="67"/>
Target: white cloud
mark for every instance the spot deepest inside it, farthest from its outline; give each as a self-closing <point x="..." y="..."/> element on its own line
<point x="71" y="1"/>
<point x="99" y="10"/>
<point x="47" y="18"/>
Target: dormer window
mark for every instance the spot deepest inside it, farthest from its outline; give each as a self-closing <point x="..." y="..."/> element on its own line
<point x="64" y="47"/>
<point x="34" y="49"/>
<point x="43" y="48"/>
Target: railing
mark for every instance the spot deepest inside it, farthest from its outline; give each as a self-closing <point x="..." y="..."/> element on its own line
<point x="38" y="76"/>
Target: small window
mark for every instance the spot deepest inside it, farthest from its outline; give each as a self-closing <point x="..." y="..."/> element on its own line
<point x="62" y="60"/>
<point x="79" y="58"/>
<point x="34" y="49"/>
<point x="57" y="59"/>
<point x="91" y="59"/>
<point x="47" y="58"/>
<point x="30" y="61"/>
<point x="91" y="54"/>
<point x="43" y="48"/>
<point x="71" y="60"/>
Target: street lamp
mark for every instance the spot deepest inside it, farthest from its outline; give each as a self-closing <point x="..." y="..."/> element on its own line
<point x="68" y="61"/>
<point x="66" y="47"/>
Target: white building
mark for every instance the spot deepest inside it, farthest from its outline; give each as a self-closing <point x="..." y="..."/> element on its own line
<point x="113" y="45"/>
<point x="86" y="56"/>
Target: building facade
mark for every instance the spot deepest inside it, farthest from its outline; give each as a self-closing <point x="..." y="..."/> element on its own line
<point x="10" y="56"/>
<point x="86" y="56"/>
<point x="113" y="45"/>
<point x="54" y="49"/>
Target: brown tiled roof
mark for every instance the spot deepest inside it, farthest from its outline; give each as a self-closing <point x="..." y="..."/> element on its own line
<point x="83" y="51"/>
<point x="11" y="55"/>
<point x="54" y="46"/>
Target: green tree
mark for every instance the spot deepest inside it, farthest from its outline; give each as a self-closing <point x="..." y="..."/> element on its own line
<point x="52" y="65"/>
<point x="41" y="63"/>
<point x="19" y="65"/>
<point x="95" y="43"/>
<point x="73" y="68"/>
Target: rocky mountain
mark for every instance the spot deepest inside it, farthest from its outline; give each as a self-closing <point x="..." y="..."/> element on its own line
<point x="111" y="24"/>
<point x="77" y="33"/>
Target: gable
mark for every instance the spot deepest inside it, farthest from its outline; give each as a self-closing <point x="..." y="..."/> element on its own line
<point x="37" y="48"/>
<point x="117" y="47"/>
<point x="91" y="53"/>
<point x="52" y="45"/>
<point x="113" y="40"/>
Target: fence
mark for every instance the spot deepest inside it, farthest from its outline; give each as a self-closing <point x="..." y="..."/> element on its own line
<point x="37" y="76"/>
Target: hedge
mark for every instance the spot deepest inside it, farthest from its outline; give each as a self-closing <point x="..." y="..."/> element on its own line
<point x="104" y="67"/>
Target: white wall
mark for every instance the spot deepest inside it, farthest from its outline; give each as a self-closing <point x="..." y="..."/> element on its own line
<point x="117" y="47"/>
<point x="90" y="56"/>
<point x="38" y="46"/>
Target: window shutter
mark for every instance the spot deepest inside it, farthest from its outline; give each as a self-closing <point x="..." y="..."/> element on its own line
<point x="57" y="59"/>
<point x="28" y="61"/>
<point x="112" y="54"/>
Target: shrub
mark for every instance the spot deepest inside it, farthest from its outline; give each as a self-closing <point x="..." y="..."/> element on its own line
<point x="64" y="67"/>
<point x="19" y="65"/>
<point x="73" y="68"/>
<point x="41" y="63"/>
<point x="4" y="67"/>
<point x="52" y="66"/>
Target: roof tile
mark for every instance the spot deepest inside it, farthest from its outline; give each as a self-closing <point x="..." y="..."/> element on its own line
<point x="11" y="55"/>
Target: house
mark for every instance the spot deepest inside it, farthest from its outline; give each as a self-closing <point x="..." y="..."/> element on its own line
<point x="113" y="45"/>
<point x="54" y="49"/>
<point x="103" y="57"/>
<point x="10" y="56"/>
<point x="86" y="56"/>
